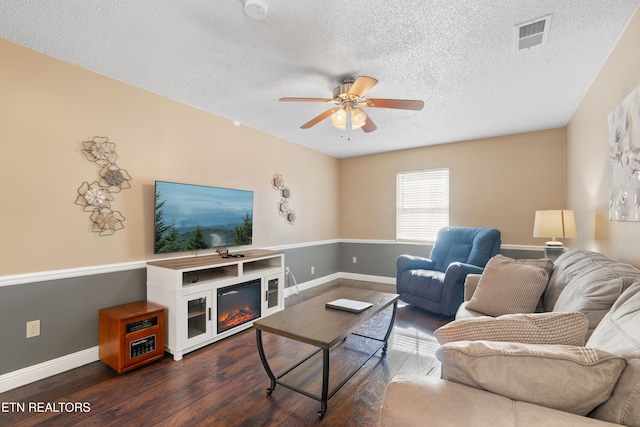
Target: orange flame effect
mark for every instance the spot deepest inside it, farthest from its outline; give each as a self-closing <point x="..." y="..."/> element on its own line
<point x="235" y="317"/>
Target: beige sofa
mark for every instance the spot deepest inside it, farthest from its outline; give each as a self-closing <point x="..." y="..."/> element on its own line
<point x="515" y="369"/>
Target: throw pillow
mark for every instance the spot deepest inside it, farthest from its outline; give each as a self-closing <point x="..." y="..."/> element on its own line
<point x="507" y="287"/>
<point x="568" y="378"/>
<point x="545" y="263"/>
<point x="534" y="328"/>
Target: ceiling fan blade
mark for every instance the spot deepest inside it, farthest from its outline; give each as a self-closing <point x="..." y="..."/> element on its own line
<point x="305" y="100"/>
<point x="402" y="104"/>
<point x="369" y="126"/>
<point x="362" y="85"/>
<point x="319" y="118"/>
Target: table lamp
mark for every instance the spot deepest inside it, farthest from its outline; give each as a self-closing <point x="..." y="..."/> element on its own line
<point x="554" y="224"/>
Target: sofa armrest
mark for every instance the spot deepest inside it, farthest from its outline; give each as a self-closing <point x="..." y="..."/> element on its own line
<point x="470" y="285"/>
<point x="411" y="399"/>
<point x="414" y="400"/>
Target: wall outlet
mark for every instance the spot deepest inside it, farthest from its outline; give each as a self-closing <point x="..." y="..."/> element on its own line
<point x="313" y="270"/>
<point x="33" y="328"/>
<point x="355" y="260"/>
<point x="286" y="270"/>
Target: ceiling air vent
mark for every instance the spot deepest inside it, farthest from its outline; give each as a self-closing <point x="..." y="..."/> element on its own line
<point x="532" y="33"/>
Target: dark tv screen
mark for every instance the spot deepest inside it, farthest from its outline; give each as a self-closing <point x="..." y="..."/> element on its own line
<point x="192" y="217"/>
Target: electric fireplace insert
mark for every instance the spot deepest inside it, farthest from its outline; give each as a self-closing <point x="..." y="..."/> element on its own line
<point x="238" y="304"/>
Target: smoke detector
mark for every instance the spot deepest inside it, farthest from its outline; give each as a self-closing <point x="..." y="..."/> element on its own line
<point x="532" y="33"/>
<point x="255" y="9"/>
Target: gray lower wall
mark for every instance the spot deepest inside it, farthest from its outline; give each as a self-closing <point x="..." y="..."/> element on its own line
<point x="522" y="253"/>
<point x="68" y="314"/>
<point x="323" y="258"/>
<point x="68" y="308"/>
<point x="376" y="259"/>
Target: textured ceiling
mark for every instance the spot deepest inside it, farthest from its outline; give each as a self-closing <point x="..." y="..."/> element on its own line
<point x="456" y="56"/>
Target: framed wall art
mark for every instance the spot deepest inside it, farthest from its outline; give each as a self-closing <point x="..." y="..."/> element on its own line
<point x="624" y="159"/>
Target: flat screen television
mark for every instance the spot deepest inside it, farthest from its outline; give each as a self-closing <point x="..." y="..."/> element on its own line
<point x="191" y="217"/>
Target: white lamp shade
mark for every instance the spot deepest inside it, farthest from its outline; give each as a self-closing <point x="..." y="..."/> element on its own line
<point x="555" y="223"/>
<point x="358" y="118"/>
<point x="339" y="119"/>
<point x="355" y="117"/>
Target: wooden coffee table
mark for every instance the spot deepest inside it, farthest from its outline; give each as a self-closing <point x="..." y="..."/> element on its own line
<point x="327" y="329"/>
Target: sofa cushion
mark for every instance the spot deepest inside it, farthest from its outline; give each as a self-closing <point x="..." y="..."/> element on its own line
<point x="575" y="271"/>
<point x="508" y="286"/>
<point x="464" y="313"/>
<point x="425" y="284"/>
<point x="594" y="301"/>
<point x="619" y="333"/>
<point x="623" y="407"/>
<point x="566" y="267"/>
<point x="568" y="378"/>
<point x="534" y="328"/>
<point x="594" y="291"/>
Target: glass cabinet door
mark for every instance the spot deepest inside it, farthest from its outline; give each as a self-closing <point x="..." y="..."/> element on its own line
<point x="198" y="316"/>
<point x="272" y="292"/>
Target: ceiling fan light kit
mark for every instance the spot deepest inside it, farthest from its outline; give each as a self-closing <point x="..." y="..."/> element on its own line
<point x="349" y="98"/>
<point x="339" y="119"/>
<point x="349" y="118"/>
<point x="358" y="118"/>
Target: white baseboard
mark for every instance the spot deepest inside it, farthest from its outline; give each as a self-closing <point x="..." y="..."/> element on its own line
<point x="46" y="369"/>
<point x="326" y="279"/>
<point x="368" y="278"/>
<point x="293" y="289"/>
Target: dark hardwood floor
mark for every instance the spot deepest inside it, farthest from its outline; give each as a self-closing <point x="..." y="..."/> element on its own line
<point x="224" y="384"/>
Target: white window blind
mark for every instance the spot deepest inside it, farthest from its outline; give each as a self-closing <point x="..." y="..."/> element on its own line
<point x="422" y="202"/>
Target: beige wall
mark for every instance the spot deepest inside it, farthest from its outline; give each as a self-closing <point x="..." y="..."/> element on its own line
<point x="494" y="182"/>
<point x="49" y="107"/>
<point x="587" y="153"/>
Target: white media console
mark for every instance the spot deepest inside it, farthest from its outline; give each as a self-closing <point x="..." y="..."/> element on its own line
<point x="191" y="287"/>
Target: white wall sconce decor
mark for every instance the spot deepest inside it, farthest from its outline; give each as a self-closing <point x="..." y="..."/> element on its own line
<point x="624" y="159"/>
<point x="277" y="182"/>
<point x="97" y="196"/>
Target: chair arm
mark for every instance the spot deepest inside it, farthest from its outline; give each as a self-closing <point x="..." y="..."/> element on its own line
<point x="470" y="285"/>
<point x="453" y="285"/>
<point x="458" y="271"/>
<point x="410" y="262"/>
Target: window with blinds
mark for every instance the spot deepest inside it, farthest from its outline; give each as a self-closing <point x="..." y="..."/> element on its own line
<point x="422" y="204"/>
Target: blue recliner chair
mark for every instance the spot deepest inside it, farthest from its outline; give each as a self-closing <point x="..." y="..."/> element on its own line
<point x="437" y="284"/>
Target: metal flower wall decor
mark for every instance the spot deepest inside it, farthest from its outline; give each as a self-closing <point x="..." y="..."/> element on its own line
<point x="283" y="205"/>
<point x="97" y="196"/>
